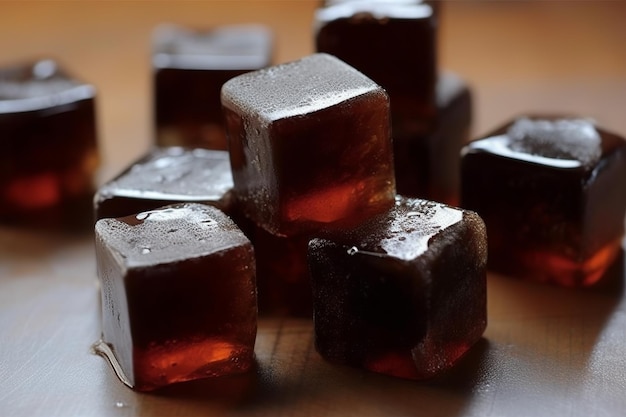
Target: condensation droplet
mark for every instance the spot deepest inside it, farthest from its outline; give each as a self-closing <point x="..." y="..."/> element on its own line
<point x="145" y="251"/>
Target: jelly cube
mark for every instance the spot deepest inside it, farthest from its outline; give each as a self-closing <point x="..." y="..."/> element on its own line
<point x="393" y="43"/>
<point x="310" y="145"/>
<point x="551" y="194"/>
<point x="167" y="175"/>
<point x="50" y="155"/>
<point x="190" y="67"/>
<point x="405" y="293"/>
<point x="283" y="282"/>
<point x="178" y="295"/>
<point x="428" y="166"/>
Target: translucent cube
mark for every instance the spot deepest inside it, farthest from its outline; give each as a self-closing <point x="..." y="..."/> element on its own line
<point x="50" y="155"/>
<point x="550" y="190"/>
<point x="393" y="43"/>
<point x="405" y="293"/>
<point x="310" y="145"/>
<point x="178" y="295"/>
<point x="284" y="285"/>
<point x="428" y="166"/>
<point x="167" y="175"/>
<point x="190" y="66"/>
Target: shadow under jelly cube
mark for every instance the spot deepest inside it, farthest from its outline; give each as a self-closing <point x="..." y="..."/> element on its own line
<point x="405" y="293"/>
<point x="310" y="145"/>
<point x="551" y="193"/>
<point x="178" y="295"/>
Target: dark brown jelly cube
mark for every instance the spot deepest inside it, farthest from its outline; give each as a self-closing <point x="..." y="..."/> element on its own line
<point x="168" y="175"/>
<point x="405" y="293"/>
<point x="393" y="43"/>
<point x="428" y="166"/>
<point x="310" y="145"/>
<point x="49" y="157"/>
<point x="550" y="190"/>
<point x="283" y="281"/>
<point x="190" y="67"/>
<point x="178" y="295"/>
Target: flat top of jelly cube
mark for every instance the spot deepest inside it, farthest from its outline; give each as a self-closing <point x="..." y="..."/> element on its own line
<point x="229" y="47"/>
<point x="169" y="234"/>
<point x="296" y="88"/>
<point x="556" y="142"/>
<point x="405" y="230"/>
<point x="379" y="10"/>
<point x="39" y="85"/>
<point x="174" y="173"/>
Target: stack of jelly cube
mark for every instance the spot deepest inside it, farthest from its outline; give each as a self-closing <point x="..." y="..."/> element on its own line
<point x="394" y="42"/>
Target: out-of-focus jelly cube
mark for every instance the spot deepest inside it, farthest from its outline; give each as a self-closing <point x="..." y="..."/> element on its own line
<point x="283" y="282"/>
<point x="190" y="67"/>
<point x="49" y="157"/>
<point x="405" y="293"/>
<point x="550" y="190"/>
<point x="178" y="295"/>
<point x="310" y="145"/>
<point x="168" y="175"/>
<point x="428" y="166"/>
<point x="393" y="43"/>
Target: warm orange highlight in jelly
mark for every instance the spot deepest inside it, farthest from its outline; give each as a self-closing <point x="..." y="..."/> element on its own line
<point x="37" y="191"/>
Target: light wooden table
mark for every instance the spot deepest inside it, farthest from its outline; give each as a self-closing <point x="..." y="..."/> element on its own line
<point x="546" y="351"/>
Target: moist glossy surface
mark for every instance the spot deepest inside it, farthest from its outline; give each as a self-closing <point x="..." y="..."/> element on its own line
<point x="48" y="130"/>
<point x="310" y="145"/>
<point x="190" y="67"/>
<point x="554" y="211"/>
<point x="178" y="295"/>
<point x="405" y="294"/>
<point x="168" y="175"/>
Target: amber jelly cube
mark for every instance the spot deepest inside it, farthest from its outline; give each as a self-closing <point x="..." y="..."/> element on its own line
<point x="168" y="175"/>
<point x="550" y="190"/>
<point x="283" y="281"/>
<point x="405" y="293"/>
<point x="190" y="66"/>
<point x="49" y="157"/>
<point x="393" y="43"/>
<point x="178" y="295"/>
<point x="310" y="145"/>
<point x="428" y="166"/>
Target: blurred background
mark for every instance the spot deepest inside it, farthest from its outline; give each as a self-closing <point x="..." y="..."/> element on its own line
<point x="518" y="56"/>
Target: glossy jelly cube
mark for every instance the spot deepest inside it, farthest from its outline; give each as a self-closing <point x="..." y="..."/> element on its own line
<point x="190" y="67"/>
<point x="283" y="281"/>
<point x="178" y="295"/>
<point x="405" y="293"/>
<point x="550" y="190"/>
<point x="50" y="155"/>
<point x="393" y="43"/>
<point x="167" y="175"/>
<point x="310" y="145"/>
<point x="428" y="166"/>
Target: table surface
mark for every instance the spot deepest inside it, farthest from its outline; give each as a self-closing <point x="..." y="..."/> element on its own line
<point x="546" y="352"/>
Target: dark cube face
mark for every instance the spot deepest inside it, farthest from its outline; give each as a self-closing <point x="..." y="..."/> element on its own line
<point x="405" y="294"/>
<point x="190" y="67"/>
<point x="394" y="43"/>
<point x="549" y="190"/>
<point x="178" y="295"/>
<point x="47" y="122"/>
<point x="168" y="175"/>
<point x="310" y="145"/>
